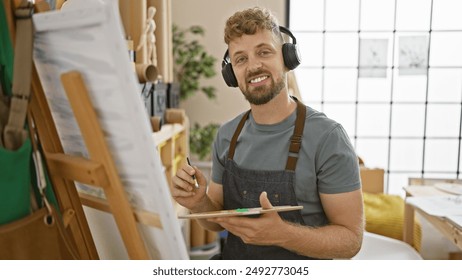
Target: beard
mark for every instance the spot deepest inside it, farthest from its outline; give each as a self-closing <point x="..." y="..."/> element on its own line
<point x="263" y="94"/>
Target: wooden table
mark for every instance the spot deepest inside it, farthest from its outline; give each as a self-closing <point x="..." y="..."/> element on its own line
<point x="448" y="228"/>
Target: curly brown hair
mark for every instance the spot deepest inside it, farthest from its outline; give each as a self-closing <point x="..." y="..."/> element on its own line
<point x="249" y="21"/>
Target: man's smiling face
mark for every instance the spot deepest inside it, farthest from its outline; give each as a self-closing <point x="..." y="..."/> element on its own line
<point x="258" y="66"/>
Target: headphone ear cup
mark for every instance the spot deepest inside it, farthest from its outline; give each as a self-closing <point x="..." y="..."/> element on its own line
<point x="290" y="55"/>
<point x="228" y="75"/>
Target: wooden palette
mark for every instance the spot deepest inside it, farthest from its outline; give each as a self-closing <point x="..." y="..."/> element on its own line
<point x="239" y="212"/>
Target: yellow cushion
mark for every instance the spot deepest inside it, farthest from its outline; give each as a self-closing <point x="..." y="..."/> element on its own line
<point x="384" y="215"/>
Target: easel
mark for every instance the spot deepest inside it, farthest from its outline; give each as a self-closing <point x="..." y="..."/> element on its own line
<point x="98" y="171"/>
<point x="66" y="194"/>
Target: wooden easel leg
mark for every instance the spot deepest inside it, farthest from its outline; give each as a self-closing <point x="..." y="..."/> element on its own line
<point x="99" y="152"/>
<point x="65" y="190"/>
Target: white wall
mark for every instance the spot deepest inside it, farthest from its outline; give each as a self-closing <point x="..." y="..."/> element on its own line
<point x="212" y="15"/>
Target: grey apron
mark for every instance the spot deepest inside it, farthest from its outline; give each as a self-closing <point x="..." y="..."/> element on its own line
<point x="242" y="189"/>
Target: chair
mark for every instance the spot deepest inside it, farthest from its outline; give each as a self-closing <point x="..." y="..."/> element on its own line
<point x="378" y="247"/>
<point x="384" y="213"/>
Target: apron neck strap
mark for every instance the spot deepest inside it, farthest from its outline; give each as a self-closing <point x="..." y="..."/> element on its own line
<point x="295" y="140"/>
<point x="232" y="146"/>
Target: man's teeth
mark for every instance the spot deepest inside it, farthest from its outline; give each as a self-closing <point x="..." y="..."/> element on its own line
<point x="259" y="79"/>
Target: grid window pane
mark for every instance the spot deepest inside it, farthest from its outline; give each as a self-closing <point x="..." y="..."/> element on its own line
<point x="377" y="14"/>
<point x="408" y="120"/>
<point x="343" y="114"/>
<point x="445" y="85"/>
<point x="443" y="120"/>
<point x="399" y="180"/>
<point x="310" y="84"/>
<point x="441" y="155"/>
<point x="311" y="48"/>
<point x="409" y="17"/>
<point x="406" y="155"/>
<point x="409" y="88"/>
<point x="446" y="14"/>
<point x="307" y="15"/>
<point x="375" y="89"/>
<point x="340" y="84"/>
<point x="373" y="120"/>
<point x="445" y="49"/>
<point x="315" y="105"/>
<point x="342" y="14"/>
<point x="392" y="80"/>
<point x="374" y="152"/>
<point x="347" y="55"/>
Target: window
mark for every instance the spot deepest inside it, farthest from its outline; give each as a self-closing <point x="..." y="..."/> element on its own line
<point x="390" y="71"/>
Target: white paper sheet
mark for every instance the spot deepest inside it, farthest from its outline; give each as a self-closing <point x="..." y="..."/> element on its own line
<point x="450" y="188"/>
<point x="456" y="219"/>
<point x="441" y="206"/>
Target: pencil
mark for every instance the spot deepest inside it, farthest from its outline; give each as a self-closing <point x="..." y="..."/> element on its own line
<point x="193" y="176"/>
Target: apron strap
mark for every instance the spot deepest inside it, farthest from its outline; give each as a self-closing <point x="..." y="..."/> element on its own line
<point x="296" y="139"/>
<point x="14" y="133"/>
<point x="232" y="145"/>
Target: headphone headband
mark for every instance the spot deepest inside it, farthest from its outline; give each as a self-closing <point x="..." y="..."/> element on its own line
<point x="284" y="30"/>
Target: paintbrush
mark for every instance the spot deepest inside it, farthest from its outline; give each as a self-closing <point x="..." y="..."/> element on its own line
<point x="193" y="176"/>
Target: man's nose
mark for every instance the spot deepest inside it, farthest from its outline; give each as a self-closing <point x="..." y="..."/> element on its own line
<point x="254" y="63"/>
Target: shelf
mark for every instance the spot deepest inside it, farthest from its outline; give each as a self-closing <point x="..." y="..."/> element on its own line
<point x="172" y="144"/>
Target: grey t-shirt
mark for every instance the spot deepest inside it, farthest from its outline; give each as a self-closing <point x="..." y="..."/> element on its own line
<point x="327" y="161"/>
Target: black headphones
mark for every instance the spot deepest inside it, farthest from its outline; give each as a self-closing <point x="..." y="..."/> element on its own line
<point x="290" y="55"/>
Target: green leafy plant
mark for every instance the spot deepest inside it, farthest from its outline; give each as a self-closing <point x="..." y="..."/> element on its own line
<point x="201" y="139"/>
<point x="192" y="62"/>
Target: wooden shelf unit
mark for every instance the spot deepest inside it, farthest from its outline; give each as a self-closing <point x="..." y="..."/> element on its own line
<point x="172" y="142"/>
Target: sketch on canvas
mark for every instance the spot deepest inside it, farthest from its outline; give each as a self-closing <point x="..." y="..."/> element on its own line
<point x="91" y="41"/>
<point x="373" y="57"/>
<point x="413" y="55"/>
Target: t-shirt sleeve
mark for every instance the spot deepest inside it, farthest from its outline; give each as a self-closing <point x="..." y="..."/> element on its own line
<point x="338" y="163"/>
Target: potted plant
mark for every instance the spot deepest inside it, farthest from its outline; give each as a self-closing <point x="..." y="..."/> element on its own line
<point x="201" y="139"/>
<point x="200" y="145"/>
<point x="191" y="62"/>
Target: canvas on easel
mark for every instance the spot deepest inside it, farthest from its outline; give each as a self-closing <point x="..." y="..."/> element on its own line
<point x="88" y="38"/>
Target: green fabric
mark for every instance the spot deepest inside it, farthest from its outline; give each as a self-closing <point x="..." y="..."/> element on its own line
<point x="17" y="172"/>
<point x="15" y="178"/>
<point x="6" y="53"/>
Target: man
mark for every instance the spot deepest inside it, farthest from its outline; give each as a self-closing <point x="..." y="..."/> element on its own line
<point x="276" y="154"/>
